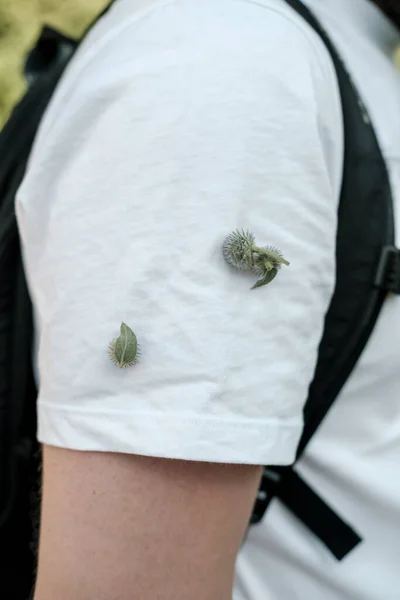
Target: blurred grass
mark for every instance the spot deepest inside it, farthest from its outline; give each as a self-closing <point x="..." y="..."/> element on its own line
<point x="20" y="24"/>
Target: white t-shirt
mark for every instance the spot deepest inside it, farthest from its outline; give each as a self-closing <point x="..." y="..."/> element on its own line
<point x="178" y="122"/>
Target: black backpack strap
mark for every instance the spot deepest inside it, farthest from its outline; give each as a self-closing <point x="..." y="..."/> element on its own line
<point x="368" y="267"/>
<point x="365" y="233"/>
<point x="19" y="449"/>
<point x="52" y="47"/>
<point x="44" y="66"/>
<point x="18" y="446"/>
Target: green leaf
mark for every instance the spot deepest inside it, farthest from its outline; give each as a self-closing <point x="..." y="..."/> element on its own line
<point x="268" y="277"/>
<point x="126" y="347"/>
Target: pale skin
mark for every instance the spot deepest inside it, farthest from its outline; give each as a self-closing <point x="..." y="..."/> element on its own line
<point x="123" y="527"/>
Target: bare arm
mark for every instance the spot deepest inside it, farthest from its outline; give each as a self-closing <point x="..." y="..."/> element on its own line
<point x="122" y="527"/>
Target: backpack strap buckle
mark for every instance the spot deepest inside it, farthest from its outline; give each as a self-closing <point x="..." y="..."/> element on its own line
<point x="388" y="273"/>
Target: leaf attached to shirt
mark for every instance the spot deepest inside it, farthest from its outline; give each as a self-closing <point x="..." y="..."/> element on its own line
<point x="124" y="350"/>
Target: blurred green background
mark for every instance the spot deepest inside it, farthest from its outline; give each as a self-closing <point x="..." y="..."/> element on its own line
<point x="20" y="24"/>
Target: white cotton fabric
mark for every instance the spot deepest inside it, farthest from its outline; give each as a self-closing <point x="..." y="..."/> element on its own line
<point x="176" y="123"/>
<point x="174" y="126"/>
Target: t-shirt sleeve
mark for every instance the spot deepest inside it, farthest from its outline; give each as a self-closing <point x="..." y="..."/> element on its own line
<point x="143" y="172"/>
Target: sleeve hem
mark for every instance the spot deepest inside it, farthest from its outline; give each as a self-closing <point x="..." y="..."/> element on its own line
<point x="256" y="441"/>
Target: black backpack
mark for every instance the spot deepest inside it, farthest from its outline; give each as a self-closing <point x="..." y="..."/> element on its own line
<point x="368" y="268"/>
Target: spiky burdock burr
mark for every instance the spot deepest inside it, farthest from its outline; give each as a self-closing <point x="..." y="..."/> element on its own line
<point x="241" y="252"/>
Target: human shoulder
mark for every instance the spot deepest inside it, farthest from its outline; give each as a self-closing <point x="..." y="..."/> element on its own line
<point x="136" y="38"/>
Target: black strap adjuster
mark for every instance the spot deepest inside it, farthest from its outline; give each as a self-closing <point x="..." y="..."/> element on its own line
<point x="388" y="274"/>
<point x="320" y="518"/>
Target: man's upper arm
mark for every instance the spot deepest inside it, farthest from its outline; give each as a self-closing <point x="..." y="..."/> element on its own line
<point x="121" y="527"/>
<point x="129" y="195"/>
